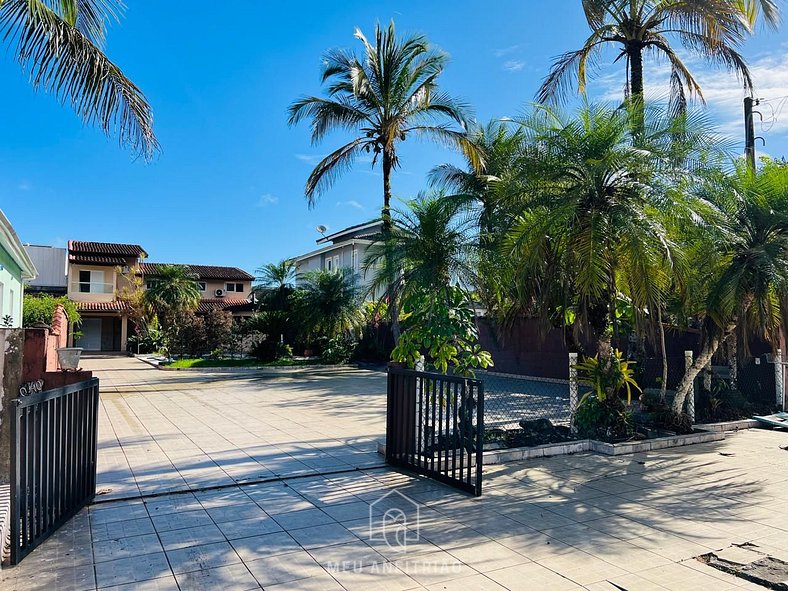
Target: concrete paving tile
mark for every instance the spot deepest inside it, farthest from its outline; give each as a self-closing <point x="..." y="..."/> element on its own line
<point x="121" y="529"/>
<point x="322" y="535"/>
<point x="236" y="511"/>
<point x="202" y="557"/>
<point x="125" y="547"/>
<point x="319" y="583"/>
<point x="345" y="556"/>
<point x="163" y="584"/>
<point x="133" y="569"/>
<point x="376" y="577"/>
<point x="264" y="546"/>
<point x="526" y="577"/>
<point x="77" y="578"/>
<point x="181" y="520"/>
<point x="190" y="536"/>
<point x="285" y="568"/>
<point x="304" y="518"/>
<point x="123" y="511"/>
<point x="436" y="567"/>
<point x="488" y="556"/>
<point x="227" y="578"/>
<point x="248" y="527"/>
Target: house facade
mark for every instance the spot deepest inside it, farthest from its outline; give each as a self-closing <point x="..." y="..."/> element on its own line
<point x="223" y="288"/>
<point x="346" y="248"/>
<point x="16" y="269"/>
<point x="95" y="275"/>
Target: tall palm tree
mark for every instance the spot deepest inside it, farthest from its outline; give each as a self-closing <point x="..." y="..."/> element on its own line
<point x="327" y="303"/>
<point x="753" y="10"/>
<point x="387" y="95"/>
<point x="711" y="29"/>
<point x="60" y="44"/>
<point x="174" y="290"/>
<point x="749" y="288"/>
<point x="275" y="282"/>
<point x="595" y="213"/>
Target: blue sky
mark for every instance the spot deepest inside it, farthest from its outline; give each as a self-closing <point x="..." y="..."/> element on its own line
<point x="228" y="185"/>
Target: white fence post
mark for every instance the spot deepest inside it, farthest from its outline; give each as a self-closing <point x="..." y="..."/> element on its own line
<point x="572" y="389"/>
<point x="707" y="377"/>
<point x="779" y="379"/>
<point x="691" y="394"/>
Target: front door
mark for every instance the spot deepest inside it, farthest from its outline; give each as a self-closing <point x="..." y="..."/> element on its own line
<point x="91" y="334"/>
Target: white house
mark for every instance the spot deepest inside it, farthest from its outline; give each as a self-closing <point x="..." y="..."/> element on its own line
<point x="346" y="248"/>
<point x="16" y="268"/>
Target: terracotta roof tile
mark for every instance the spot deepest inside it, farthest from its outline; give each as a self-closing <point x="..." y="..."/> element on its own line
<point x="116" y="306"/>
<point x="227" y="304"/>
<point x="105" y="248"/>
<point x="203" y="271"/>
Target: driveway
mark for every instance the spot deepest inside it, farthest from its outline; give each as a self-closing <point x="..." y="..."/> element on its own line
<point x="582" y="522"/>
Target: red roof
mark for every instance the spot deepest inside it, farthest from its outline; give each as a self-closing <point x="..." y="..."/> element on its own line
<point x="116" y="306"/>
<point x="102" y="253"/>
<point x="226" y="304"/>
<point x="202" y="271"/>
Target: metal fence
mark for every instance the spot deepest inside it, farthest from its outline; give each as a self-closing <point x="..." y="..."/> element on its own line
<point x="53" y="464"/>
<point x="510" y="399"/>
<point x="434" y="426"/>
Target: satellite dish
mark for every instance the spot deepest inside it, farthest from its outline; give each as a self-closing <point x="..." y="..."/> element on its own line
<point x="322" y="229"/>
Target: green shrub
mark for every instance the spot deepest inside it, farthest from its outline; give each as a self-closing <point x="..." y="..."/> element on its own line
<point x="265" y="351"/>
<point x="41" y="308"/>
<point x="604" y="420"/>
<point x="338" y="350"/>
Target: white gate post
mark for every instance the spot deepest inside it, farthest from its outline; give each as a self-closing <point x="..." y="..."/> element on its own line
<point x="572" y="389"/>
<point x="691" y="394"/>
<point x="707" y="377"/>
<point x="779" y="380"/>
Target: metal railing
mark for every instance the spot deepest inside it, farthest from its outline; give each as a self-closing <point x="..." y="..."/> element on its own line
<point x="53" y="464"/>
<point x="435" y="426"/>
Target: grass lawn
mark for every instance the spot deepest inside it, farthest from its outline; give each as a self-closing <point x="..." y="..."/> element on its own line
<point x="187" y="363"/>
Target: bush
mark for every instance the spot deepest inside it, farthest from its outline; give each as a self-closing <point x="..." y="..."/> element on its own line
<point x="604" y="420"/>
<point x="265" y="351"/>
<point x="338" y="350"/>
<point x="218" y="330"/>
<point x="41" y="308"/>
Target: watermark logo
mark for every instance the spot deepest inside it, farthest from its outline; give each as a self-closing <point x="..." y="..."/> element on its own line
<point x="394" y="519"/>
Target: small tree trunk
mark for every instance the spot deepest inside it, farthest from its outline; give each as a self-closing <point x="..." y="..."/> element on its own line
<point x="386" y="216"/>
<point x="636" y="98"/>
<point x="663" y="351"/>
<point x="700" y="362"/>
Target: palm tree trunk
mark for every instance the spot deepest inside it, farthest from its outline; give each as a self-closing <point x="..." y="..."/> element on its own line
<point x="664" y="352"/>
<point x="700" y="362"/>
<point x="635" y="54"/>
<point x="386" y="216"/>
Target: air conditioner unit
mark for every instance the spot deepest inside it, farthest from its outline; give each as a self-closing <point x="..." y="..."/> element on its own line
<point x="219" y="293"/>
<point x="126" y="268"/>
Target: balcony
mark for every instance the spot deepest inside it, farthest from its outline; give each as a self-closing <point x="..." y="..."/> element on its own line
<point x="85" y="287"/>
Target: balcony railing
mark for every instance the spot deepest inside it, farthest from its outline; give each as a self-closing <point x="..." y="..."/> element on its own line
<point x="89" y="287"/>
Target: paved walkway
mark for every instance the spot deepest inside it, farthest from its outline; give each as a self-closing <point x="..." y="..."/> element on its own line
<point x="566" y="524"/>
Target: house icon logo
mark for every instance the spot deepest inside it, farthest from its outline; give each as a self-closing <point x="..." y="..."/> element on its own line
<point x="394" y="519"/>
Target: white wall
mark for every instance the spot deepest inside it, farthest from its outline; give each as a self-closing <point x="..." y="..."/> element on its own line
<point x="10" y="298"/>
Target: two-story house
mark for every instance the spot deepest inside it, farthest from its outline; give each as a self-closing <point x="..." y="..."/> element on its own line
<point x="346" y="248"/>
<point x="95" y="276"/>
<point x="225" y="288"/>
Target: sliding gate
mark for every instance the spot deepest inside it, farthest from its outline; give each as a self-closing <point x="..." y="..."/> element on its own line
<point x="435" y="426"/>
<point x="53" y="464"/>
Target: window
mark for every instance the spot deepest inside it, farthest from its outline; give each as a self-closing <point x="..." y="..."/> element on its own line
<point x="328" y="264"/>
<point x="236" y="287"/>
<point x="150" y="284"/>
<point x="201" y="285"/>
<point x="92" y="282"/>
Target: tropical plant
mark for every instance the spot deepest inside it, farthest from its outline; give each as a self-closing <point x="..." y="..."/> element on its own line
<point x="387" y="95"/>
<point x="748" y="287"/>
<point x="442" y="326"/>
<point x="327" y="303"/>
<point x="275" y="284"/>
<point x="41" y="308"/>
<point x="59" y="43"/>
<point x="218" y="331"/>
<point x="711" y="29"/>
<point x="174" y="288"/>
<point x="608" y="378"/>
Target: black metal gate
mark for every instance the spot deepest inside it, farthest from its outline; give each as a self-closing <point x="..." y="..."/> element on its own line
<point x="53" y="465"/>
<point x="435" y="426"/>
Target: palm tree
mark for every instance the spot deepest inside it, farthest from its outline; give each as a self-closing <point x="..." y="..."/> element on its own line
<point x="431" y="246"/>
<point x="327" y="303"/>
<point x="753" y="10"/>
<point x="60" y="44"/>
<point x="711" y="29"/>
<point x="384" y="97"/>
<point x="749" y="291"/>
<point x="594" y="220"/>
<point x="275" y="282"/>
<point x="174" y="290"/>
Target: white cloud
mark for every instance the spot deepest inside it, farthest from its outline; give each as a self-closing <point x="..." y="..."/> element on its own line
<point x="505" y="50"/>
<point x="350" y="203"/>
<point x="513" y="65"/>
<point x="267" y="199"/>
<point x="312" y="159"/>
<point x="24" y="186"/>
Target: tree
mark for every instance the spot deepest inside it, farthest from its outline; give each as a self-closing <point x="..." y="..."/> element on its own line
<point x="384" y="97"/>
<point x="748" y="293"/>
<point x="327" y="303"/>
<point x="174" y="297"/>
<point x="711" y="29"/>
<point x="60" y="44"/>
<point x="275" y="283"/>
<point x="596" y="211"/>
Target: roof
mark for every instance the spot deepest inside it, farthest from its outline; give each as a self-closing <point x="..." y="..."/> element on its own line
<point x="226" y="304"/>
<point x="103" y="253"/>
<point x="202" y="271"/>
<point x="116" y="306"/>
<point x="330" y="247"/>
<point x="366" y="225"/>
<point x="11" y="243"/>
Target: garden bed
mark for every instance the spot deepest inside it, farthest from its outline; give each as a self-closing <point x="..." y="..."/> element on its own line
<point x="238" y="365"/>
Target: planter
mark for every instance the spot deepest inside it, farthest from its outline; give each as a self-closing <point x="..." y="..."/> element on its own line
<point x="68" y="358"/>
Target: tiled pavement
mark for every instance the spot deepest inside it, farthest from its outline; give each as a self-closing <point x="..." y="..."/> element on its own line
<point x="577" y="522"/>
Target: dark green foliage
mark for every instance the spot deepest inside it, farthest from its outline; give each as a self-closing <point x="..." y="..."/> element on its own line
<point x="327" y="304"/>
<point x="41" y="308"/>
<point x="265" y="350"/>
<point x="338" y="350"/>
<point x="218" y="330"/>
<point x="606" y="420"/>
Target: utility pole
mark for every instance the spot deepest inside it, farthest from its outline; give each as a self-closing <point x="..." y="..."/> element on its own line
<point x="749" y="133"/>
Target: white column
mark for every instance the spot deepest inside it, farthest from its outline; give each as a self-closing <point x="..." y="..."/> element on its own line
<point x="691" y="394"/>
<point x="707" y="377"/>
<point x="572" y="389"/>
<point x="779" y="380"/>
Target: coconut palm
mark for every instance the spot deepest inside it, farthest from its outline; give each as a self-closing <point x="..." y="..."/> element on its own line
<point x="596" y="211"/>
<point x="174" y="290"/>
<point x="60" y="44"/>
<point x="711" y="29"/>
<point x="327" y="303"/>
<point x="749" y="290"/>
<point x="755" y="10"/>
<point x="382" y="98"/>
<point x="275" y="283"/>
